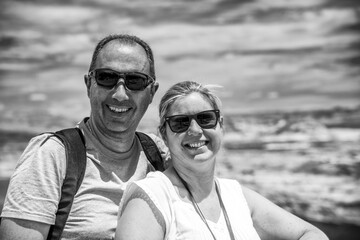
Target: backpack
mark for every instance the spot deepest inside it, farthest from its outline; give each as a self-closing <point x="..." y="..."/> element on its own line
<point x="74" y="143"/>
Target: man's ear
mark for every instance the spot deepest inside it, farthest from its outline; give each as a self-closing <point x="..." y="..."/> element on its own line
<point x="154" y="88"/>
<point x="87" y="81"/>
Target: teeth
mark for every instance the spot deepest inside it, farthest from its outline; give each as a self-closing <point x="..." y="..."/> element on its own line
<point x="197" y="145"/>
<point x="118" y="110"/>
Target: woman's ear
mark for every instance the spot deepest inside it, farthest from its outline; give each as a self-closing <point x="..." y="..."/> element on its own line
<point x="163" y="135"/>
<point x="221" y="121"/>
<point x="165" y="139"/>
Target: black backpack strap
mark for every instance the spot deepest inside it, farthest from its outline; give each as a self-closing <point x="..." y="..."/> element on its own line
<point x="151" y="151"/>
<point x="74" y="143"/>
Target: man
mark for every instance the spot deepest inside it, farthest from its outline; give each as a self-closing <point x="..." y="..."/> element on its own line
<point x="120" y="85"/>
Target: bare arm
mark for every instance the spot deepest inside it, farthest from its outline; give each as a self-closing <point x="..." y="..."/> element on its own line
<point x="273" y="222"/>
<point x="33" y="190"/>
<point x="138" y="222"/>
<point x="12" y="228"/>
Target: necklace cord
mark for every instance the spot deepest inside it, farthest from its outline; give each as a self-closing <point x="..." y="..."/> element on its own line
<point x="197" y="208"/>
<point x="199" y="212"/>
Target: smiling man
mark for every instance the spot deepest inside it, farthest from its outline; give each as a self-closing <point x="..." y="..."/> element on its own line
<point x="120" y="85"/>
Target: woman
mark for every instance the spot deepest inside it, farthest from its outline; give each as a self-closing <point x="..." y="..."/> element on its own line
<point x="187" y="201"/>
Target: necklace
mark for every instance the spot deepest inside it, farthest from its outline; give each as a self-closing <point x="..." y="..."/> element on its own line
<point x="199" y="212"/>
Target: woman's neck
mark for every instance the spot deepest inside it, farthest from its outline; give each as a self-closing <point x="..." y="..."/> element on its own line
<point x="201" y="184"/>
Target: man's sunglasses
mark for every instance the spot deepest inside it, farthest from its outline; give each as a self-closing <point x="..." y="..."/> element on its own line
<point x="134" y="81"/>
<point x="205" y="119"/>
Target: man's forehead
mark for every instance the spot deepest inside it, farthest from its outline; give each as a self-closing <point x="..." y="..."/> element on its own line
<point x="117" y="48"/>
<point x="115" y="51"/>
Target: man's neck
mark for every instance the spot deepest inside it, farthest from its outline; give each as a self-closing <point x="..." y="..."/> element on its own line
<point x="118" y="142"/>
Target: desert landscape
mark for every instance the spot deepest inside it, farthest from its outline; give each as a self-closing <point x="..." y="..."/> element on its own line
<point x="306" y="162"/>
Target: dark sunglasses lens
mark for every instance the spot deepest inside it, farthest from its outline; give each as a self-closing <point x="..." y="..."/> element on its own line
<point x="179" y="124"/>
<point x="106" y="78"/>
<point x="207" y="119"/>
<point x="136" y="81"/>
<point x="133" y="81"/>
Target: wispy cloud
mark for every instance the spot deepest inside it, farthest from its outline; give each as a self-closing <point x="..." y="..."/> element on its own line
<point x="266" y="54"/>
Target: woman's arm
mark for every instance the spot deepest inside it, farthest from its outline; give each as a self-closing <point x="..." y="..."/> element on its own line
<point x="138" y="222"/>
<point x="273" y="222"/>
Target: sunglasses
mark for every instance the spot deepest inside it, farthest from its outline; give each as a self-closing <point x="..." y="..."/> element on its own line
<point x="181" y="123"/>
<point x="134" y="81"/>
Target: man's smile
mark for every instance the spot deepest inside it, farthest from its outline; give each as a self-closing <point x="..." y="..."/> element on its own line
<point x="118" y="109"/>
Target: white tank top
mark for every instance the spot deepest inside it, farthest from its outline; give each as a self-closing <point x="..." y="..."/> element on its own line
<point x="181" y="219"/>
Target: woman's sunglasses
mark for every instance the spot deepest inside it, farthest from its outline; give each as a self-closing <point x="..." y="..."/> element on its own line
<point x="134" y="81"/>
<point x="205" y="119"/>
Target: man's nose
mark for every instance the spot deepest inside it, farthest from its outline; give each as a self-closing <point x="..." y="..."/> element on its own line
<point x="194" y="128"/>
<point x="120" y="93"/>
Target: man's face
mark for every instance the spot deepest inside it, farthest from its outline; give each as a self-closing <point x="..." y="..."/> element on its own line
<point x="118" y="109"/>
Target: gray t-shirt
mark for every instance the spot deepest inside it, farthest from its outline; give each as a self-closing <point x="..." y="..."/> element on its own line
<point x="35" y="187"/>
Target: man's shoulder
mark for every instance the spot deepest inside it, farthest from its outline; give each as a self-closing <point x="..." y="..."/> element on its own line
<point x="45" y="140"/>
<point x="50" y="140"/>
<point x="46" y="143"/>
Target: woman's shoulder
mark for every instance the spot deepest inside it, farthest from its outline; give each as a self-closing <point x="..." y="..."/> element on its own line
<point x="153" y="178"/>
<point x="228" y="183"/>
<point x="155" y="189"/>
<point x="231" y="188"/>
<point x="156" y="183"/>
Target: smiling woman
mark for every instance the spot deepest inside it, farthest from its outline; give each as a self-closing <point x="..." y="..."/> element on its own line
<point x="188" y="201"/>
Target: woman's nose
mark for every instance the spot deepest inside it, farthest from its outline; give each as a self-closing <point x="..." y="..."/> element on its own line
<point x="194" y="128"/>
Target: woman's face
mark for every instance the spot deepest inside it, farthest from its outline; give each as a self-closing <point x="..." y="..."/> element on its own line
<point x="195" y="144"/>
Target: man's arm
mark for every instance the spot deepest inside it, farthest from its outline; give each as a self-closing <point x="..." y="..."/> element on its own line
<point x="273" y="222"/>
<point x="12" y="228"/>
<point x="34" y="190"/>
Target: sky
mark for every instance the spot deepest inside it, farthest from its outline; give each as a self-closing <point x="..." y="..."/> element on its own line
<point x="267" y="55"/>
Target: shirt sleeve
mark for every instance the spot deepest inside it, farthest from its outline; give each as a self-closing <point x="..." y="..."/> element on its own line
<point x="35" y="186"/>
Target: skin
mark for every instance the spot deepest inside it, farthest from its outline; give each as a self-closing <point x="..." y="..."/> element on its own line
<point x="195" y="158"/>
<point x="115" y="130"/>
<point x="196" y="167"/>
<point x="114" y="127"/>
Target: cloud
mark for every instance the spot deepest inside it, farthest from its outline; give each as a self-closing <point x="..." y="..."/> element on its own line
<point x="266" y="54"/>
<point x="50" y="15"/>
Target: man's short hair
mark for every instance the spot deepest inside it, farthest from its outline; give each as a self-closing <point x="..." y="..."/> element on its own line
<point x="125" y="39"/>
